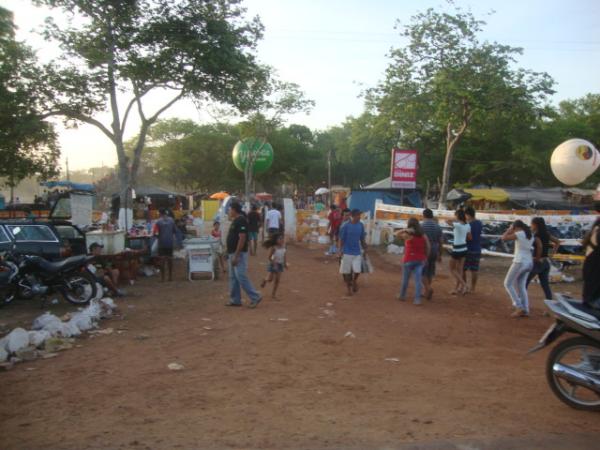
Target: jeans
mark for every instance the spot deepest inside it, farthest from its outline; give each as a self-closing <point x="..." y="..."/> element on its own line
<point x="516" y="284"/>
<point x="238" y="280"/>
<point x="542" y="270"/>
<point x="407" y="269"/>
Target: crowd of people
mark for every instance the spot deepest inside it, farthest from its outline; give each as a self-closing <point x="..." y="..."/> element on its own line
<point x="533" y="246"/>
<point x="423" y="248"/>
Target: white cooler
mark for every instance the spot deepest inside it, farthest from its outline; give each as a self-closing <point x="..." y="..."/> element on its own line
<point x="201" y="256"/>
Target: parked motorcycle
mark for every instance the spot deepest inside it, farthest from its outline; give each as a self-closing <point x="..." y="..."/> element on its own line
<point x="28" y="276"/>
<point x="573" y="366"/>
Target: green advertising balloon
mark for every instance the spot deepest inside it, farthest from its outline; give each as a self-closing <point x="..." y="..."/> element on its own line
<point x="263" y="161"/>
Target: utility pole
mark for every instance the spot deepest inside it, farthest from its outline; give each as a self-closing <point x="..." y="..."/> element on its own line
<point x="68" y="174"/>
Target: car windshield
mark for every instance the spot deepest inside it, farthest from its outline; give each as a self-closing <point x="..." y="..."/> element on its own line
<point x="32" y="233"/>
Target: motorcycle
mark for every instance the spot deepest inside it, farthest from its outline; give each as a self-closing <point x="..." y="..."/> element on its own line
<point x="28" y="276"/>
<point x="70" y="277"/>
<point x="573" y="366"/>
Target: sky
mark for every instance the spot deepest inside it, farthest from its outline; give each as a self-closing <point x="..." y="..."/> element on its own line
<point x="336" y="49"/>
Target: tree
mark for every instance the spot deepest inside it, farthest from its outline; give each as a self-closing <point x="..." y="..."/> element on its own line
<point x="28" y="143"/>
<point x="580" y="118"/>
<point x="199" y="160"/>
<point x="119" y="53"/>
<point x="278" y="99"/>
<point x="446" y="82"/>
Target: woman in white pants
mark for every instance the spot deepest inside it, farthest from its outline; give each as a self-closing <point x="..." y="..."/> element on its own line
<point x="516" y="278"/>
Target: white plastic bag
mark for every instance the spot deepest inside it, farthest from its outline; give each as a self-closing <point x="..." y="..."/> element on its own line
<point x="18" y="339"/>
<point x="43" y="320"/>
<point x="37" y="338"/>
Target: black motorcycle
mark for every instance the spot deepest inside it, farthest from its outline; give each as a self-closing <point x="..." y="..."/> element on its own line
<point x="573" y="366"/>
<point x="29" y="276"/>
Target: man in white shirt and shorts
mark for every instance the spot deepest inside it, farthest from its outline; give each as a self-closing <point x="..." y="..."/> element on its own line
<point x="274" y="220"/>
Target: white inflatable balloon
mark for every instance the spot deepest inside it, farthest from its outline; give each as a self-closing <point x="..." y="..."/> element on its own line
<point x="574" y="160"/>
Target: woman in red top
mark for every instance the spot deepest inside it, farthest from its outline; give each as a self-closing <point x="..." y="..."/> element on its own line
<point x="416" y="249"/>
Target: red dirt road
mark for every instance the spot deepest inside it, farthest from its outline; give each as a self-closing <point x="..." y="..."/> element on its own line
<point x="285" y="376"/>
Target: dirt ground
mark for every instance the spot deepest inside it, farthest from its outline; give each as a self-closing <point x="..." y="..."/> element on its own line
<point x="450" y="374"/>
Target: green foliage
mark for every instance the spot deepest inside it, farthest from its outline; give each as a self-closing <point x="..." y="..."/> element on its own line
<point x="192" y="48"/>
<point x="200" y="160"/>
<point x="27" y="142"/>
<point x="119" y="52"/>
<point x="446" y="85"/>
<point x="198" y="157"/>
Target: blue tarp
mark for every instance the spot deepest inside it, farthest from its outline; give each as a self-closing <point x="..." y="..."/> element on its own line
<point x="365" y="200"/>
<point x="69" y="184"/>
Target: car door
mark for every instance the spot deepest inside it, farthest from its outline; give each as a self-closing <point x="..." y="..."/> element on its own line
<point x="35" y="239"/>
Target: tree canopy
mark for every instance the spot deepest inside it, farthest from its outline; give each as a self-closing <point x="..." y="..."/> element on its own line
<point x="28" y="143"/>
<point x="446" y="83"/>
<point x="116" y="54"/>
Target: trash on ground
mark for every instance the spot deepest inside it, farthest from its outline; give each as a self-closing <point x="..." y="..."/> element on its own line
<point x="3" y="355"/>
<point x="392" y="359"/>
<point x="102" y="331"/>
<point x="175" y="366"/>
<point x="395" y="249"/>
<point x="16" y="340"/>
<point x="27" y="354"/>
<point x="350" y="334"/>
<point x="52" y="334"/>
<point x="55" y="344"/>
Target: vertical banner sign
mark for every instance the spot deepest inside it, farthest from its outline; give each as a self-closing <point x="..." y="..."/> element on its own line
<point x="404" y="169"/>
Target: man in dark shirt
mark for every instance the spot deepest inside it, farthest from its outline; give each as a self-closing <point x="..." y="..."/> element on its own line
<point x="253" y="227"/>
<point x="473" y="248"/>
<point x="433" y="232"/>
<point x="165" y="233"/>
<point x="237" y="252"/>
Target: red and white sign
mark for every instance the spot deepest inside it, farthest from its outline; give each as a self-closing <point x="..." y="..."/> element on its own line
<point x="404" y="169"/>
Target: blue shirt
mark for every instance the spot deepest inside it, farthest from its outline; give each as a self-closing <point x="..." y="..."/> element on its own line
<point x="351" y="235"/>
<point x="474" y="245"/>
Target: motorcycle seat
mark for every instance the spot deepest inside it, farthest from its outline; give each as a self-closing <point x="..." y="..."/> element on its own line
<point x="586" y="309"/>
<point x="58" y="266"/>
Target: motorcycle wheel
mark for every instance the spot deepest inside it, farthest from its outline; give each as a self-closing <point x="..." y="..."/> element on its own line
<point x="79" y="288"/>
<point x="582" y="354"/>
<point x="7" y="294"/>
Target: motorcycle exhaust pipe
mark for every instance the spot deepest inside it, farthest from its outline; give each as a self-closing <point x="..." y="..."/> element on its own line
<point x="576" y="376"/>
